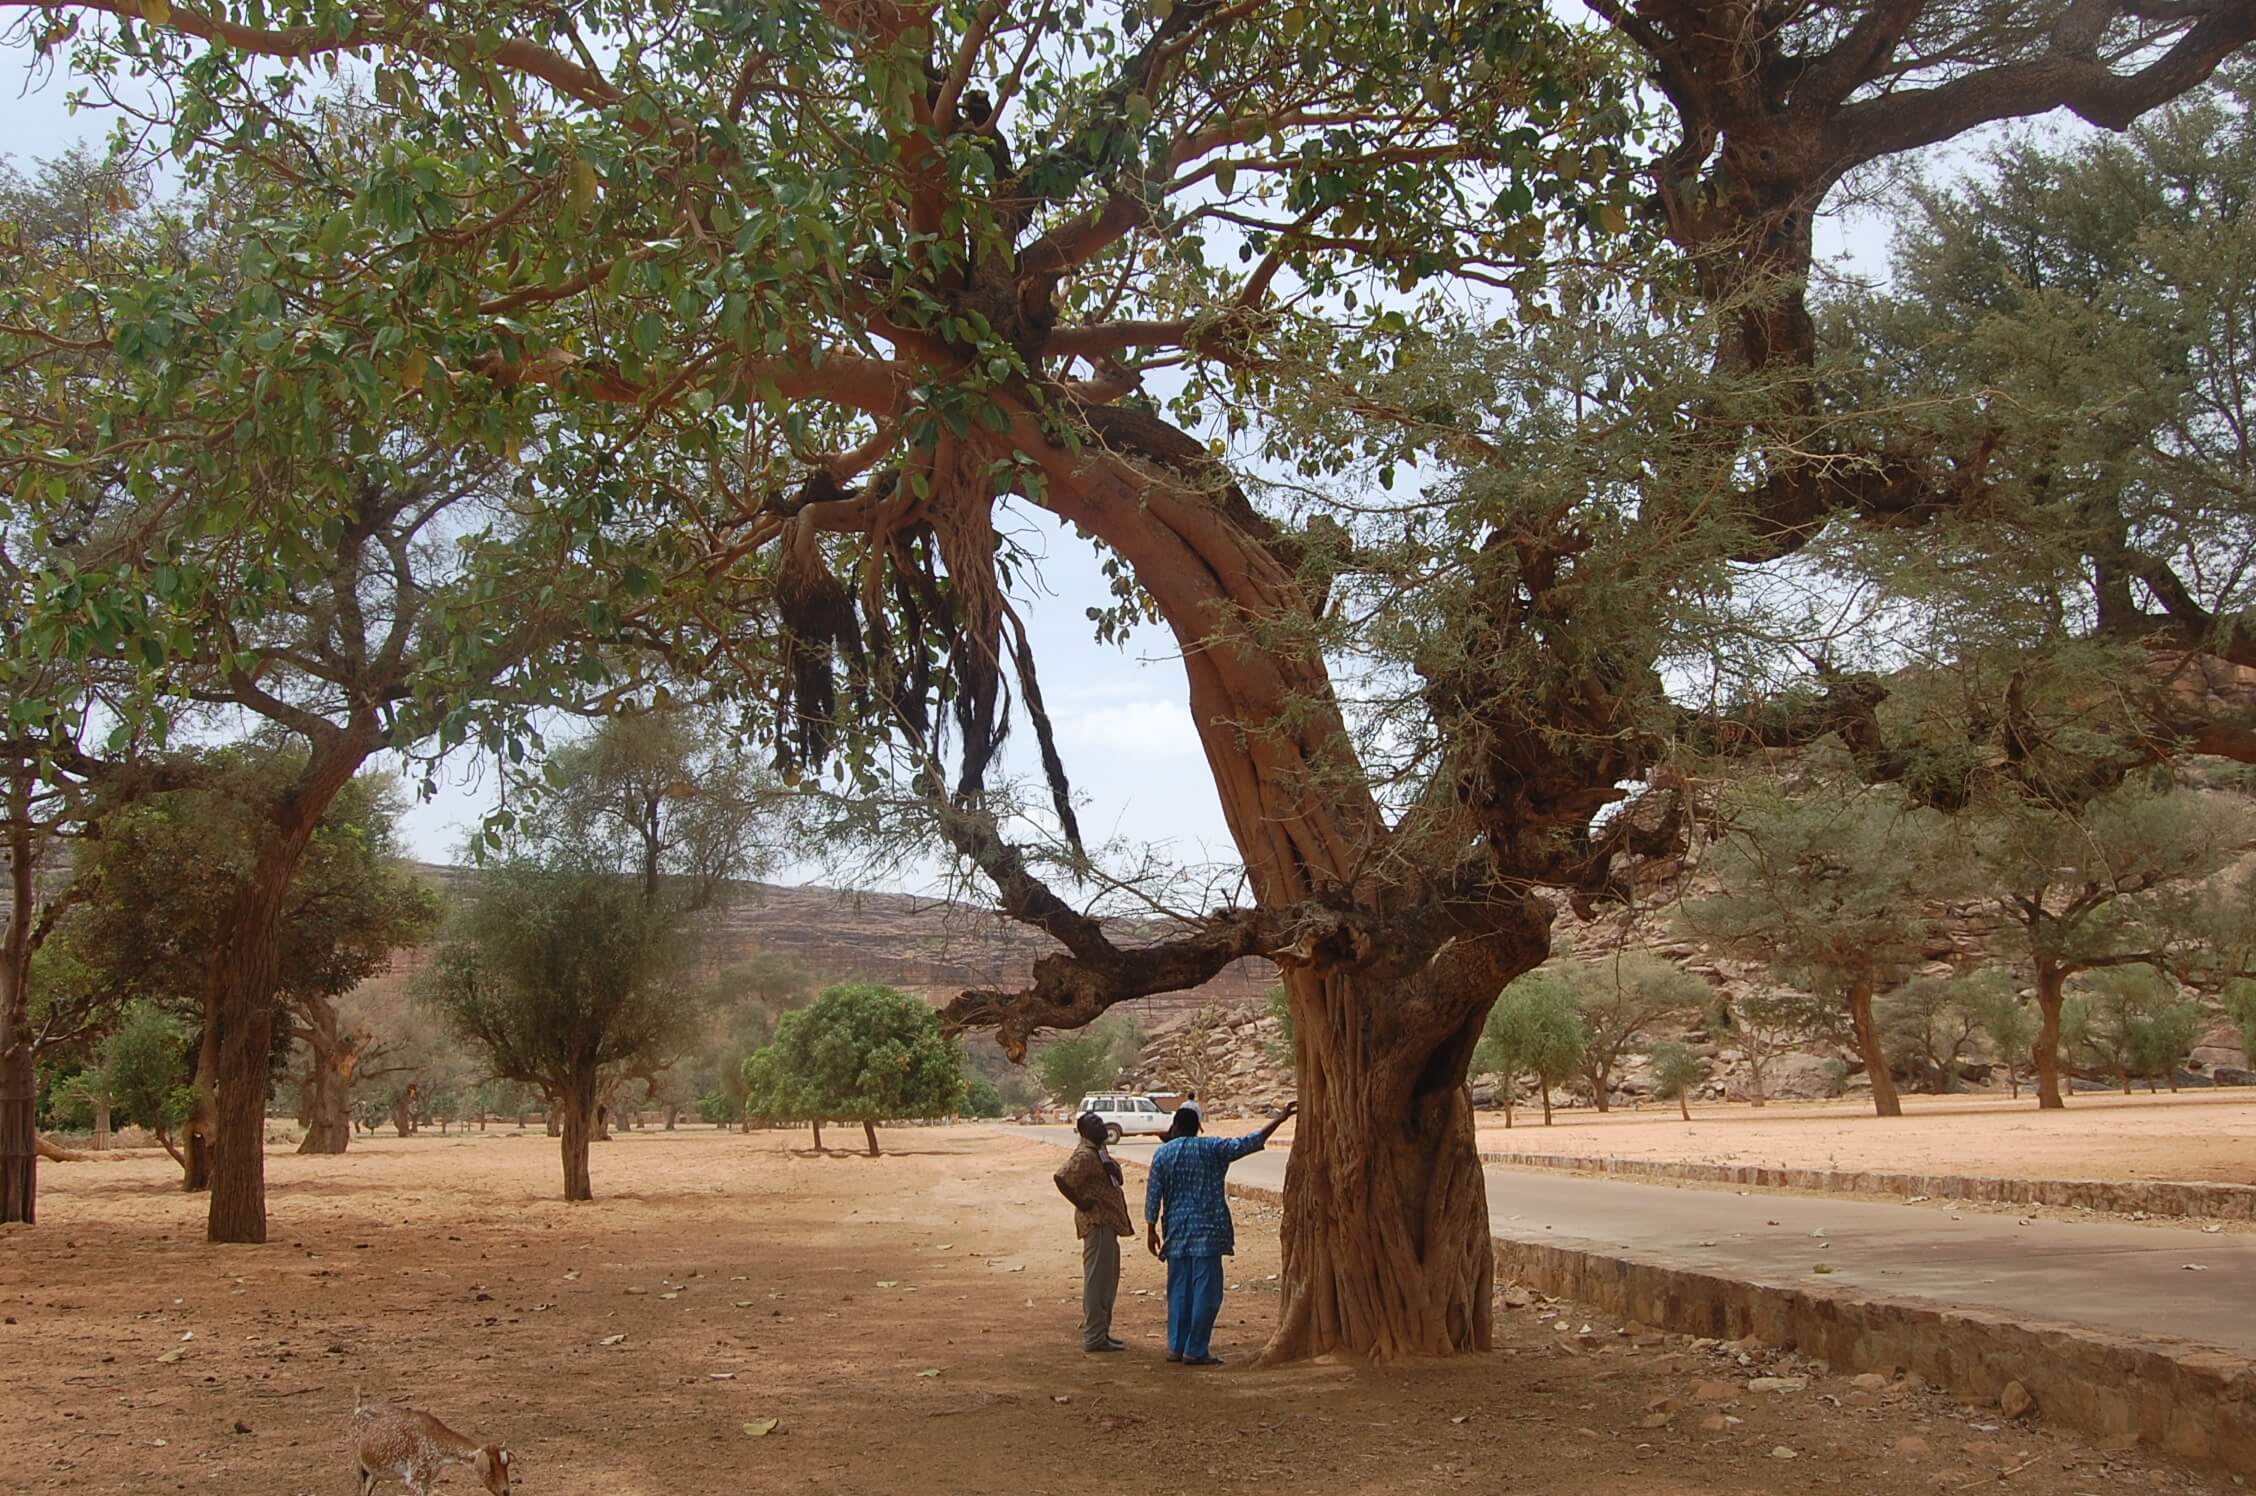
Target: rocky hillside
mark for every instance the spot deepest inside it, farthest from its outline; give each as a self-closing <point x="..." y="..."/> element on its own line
<point x="925" y="946"/>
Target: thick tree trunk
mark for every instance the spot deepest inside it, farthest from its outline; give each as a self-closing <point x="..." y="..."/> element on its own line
<point x="578" y="1131"/>
<point x="1599" y="1081"/>
<point x="818" y="1136"/>
<point x="101" y="1125"/>
<point x="240" y="982"/>
<point x="326" y="1100"/>
<point x="19" y="1139"/>
<point x="869" y="1131"/>
<point x="19" y="1082"/>
<point x="673" y="1115"/>
<point x="2046" y="1052"/>
<point x="1385" y="1232"/>
<point x="1885" y="1102"/>
<point x="2126" y="1082"/>
<point x="602" y="1131"/>
<point x="1386" y="1243"/>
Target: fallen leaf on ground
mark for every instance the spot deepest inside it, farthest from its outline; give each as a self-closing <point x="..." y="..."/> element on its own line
<point x="760" y="1428"/>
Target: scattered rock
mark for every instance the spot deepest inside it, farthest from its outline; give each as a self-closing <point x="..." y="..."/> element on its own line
<point x="1714" y="1392"/>
<point x="1777" y="1384"/>
<point x="1781" y="1452"/>
<point x="1911" y="1447"/>
<point x="1871" y="1381"/>
<point x="1656" y="1420"/>
<point x="1714" y="1423"/>
<point x="2015" y="1402"/>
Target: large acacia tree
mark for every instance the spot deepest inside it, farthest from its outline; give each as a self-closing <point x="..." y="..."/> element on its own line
<point x="797" y="299"/>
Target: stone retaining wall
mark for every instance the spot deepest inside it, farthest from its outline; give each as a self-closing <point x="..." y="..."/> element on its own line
<point x="2193" y="1403"/>
<point x="2225" y="1202"/>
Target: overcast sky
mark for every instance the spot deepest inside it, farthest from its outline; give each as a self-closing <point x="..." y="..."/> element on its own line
<point x="1123" y="726"/>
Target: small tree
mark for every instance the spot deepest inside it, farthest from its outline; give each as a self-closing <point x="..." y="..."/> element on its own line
<point x="2131" y="1023"/>
<point x="145" y="1065"/>
<point x="2239" y="999"/>
<point x="983" y="1098"/>
<point x="2112" y="884"/>
<point x="1533" y="1032"/>
<point x="1618" y="999"/>
<point x="2008" y="1023"/>
<point x="1755" y="1028"/>
<point x="1073" y="1065"/>
<point x="1277" y="1004"/>
<point x="863" y="1053"/>
<point x="1834" y="884"/>
<point x="1191" y="1055"/>
<point x="564" y="978"/>
<point x="1677" y="1071"/>
<point x="1928" y="1019"/>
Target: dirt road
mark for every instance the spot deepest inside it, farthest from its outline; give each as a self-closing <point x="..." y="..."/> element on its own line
<point x="910" y="1321"/>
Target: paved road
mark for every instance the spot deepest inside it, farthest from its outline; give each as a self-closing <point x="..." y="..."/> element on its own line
<point x="2112" y="1276"/>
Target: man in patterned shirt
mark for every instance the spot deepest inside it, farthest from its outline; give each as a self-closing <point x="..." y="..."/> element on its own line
<point x="1188" y="1219"/>
<point x="1091" y="1180"/>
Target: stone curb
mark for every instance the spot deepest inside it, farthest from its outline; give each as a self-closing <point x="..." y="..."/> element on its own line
<point x="2224" y="1202"/>
<point x="2187" y="1401"/>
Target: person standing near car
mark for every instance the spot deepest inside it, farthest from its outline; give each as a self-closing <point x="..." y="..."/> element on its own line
<point x="1188" y="1226"/>
<point x="1091" y="1180"/>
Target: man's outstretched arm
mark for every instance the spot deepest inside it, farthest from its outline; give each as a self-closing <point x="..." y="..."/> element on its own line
<point x="1254" y="1142"/>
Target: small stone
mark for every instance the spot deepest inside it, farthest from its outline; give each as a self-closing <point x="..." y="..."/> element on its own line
<point x="1714" y="1392"/>
<point x="2015" y="1402"/>
<point x="1911" y="1447"/>
<point x="1781" y="1452"/>
<point x="1516" y="1297"/>
<point x="1777" y="1384"/>
<point x="1871" y="1381"/>
<point x="1656" y="1420"/>
<point x="1714" y="1423"/>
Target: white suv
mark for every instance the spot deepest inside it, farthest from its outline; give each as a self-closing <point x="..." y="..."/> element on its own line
<point x="1128" y="1116"/>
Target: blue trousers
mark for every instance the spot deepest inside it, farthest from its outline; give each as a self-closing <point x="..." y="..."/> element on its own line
<point x="1194" y="1297"/>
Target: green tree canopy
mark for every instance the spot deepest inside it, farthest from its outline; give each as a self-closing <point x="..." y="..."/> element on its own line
<point x="2115" y="881"/>
<point x="145" y="1064"/>
<point x="861" y="1053"/>
<point x="1074" y="1065"/>
<point x="1535" y="1031"/>
<point x="564" y="977"/>
<point x="1619" y="1000"/>
<point x="1677" y="1071"/>
<point x="1839" y="886"/>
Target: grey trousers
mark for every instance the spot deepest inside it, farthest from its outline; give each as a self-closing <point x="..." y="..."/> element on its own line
<point x="1100" y="1285"/>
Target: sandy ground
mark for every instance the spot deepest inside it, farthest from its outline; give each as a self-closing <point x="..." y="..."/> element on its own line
<point x="2197" y="1136"/>
<point x="910" y="1321"/>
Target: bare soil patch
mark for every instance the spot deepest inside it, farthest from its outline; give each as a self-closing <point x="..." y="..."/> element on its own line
<point x="910" y="1322"/>
<point x="2209" y="1137"/>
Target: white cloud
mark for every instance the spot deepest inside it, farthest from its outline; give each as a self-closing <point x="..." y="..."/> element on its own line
<point x="1138" y="729"/>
